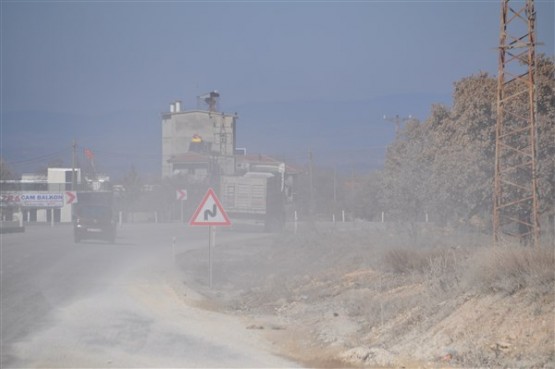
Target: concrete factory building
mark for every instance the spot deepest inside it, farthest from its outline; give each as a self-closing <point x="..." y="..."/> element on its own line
<point x="195" y="140"/>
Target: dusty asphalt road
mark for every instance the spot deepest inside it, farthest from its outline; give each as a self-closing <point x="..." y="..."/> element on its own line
<point x="99" y="305"/>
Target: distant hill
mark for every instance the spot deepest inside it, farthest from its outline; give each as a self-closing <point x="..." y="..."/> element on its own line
<point x="347" y="134"/>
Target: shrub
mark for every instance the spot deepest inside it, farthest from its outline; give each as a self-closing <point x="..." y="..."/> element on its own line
<point x="416" y="260"/>
<point x="510" y="269"/>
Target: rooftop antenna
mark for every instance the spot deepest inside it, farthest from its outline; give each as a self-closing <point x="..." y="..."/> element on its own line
<point x="210" y="100"/>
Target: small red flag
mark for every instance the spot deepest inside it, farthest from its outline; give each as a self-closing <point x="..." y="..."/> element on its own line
<point x="89" y="154"/>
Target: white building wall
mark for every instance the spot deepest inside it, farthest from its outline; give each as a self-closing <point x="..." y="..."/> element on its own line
<point x="56" y="177"/>
<point x="66" y="214"/>
<point x="41" y="215"/>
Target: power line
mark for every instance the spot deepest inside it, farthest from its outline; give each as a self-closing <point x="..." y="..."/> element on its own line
<point x="397" y="120"/>
<point x="38" y="158"/>
<point x="129" y="153"/>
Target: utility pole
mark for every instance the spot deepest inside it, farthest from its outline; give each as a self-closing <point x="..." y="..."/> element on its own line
<point x="73" y="179"/>
<point x="334" y="191"/>
<point x="311" y="182"/>
<point x="353" y="184"/>
<point x="515" y="195"/>
<point x="397" y="120"/>
<point x="334" y="186"/>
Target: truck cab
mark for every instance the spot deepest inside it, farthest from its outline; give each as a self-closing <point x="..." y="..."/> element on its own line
<point x="93" y="218"/>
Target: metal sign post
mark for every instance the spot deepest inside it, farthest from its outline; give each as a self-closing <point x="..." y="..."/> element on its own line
<point x="182" y="212"/>
<point x="173" y="249"/>
<point x="210" y="256"/>
<point x="210" y="213"/>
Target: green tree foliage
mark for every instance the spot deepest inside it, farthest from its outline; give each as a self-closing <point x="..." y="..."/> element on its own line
<point x="462" y="151"/>
<point x="545" y="90"/>
<point x="406" y="173"/>
<point x="444" y="166"/>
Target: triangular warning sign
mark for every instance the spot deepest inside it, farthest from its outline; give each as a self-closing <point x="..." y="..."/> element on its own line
<point x="210" y="212"/>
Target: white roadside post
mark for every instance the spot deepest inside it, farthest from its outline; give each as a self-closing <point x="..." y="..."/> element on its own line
<point x="20" y="215"/>
<point x="181" y="196"/>
<point x="173" y="249"/>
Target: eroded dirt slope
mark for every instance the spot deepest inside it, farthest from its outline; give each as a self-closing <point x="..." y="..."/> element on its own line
<point x="338" y="298"/>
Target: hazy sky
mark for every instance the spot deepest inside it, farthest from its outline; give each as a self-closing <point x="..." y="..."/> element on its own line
<point x="104" y="56"/>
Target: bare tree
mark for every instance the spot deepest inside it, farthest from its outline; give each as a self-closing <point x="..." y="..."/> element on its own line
<point x="5" y="171"/>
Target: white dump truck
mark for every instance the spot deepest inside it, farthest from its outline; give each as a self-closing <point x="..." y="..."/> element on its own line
<point x="255" y="195"/>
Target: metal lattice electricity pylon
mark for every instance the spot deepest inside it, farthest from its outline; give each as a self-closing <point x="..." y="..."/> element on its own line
<point x="515" y="202"/>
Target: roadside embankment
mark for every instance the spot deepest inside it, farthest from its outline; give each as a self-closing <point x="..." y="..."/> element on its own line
<point x="376" y="298"/>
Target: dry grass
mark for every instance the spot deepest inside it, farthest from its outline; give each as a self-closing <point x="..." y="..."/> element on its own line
<point x="387" y="288"/>
<point x="510" y="269"/>
<point x="449" y="275"/>
<point x="503" y="270"/>
<point x="404" y="260"/>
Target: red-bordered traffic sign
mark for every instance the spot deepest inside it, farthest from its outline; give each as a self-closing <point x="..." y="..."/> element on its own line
<point x="210" y="212"/>
<point x="181" y="195"/>
<point x="71" y="197"/>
